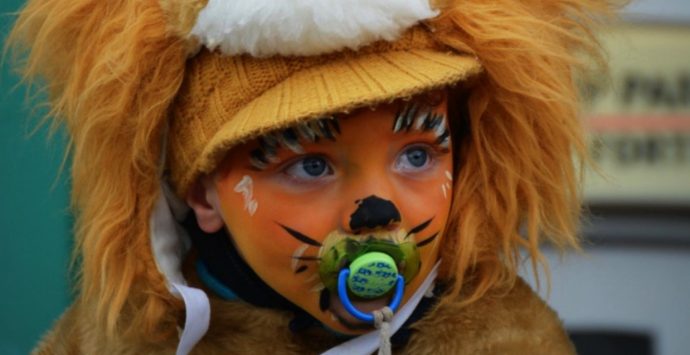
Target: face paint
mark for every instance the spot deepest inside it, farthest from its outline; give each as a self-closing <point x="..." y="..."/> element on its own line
<point x="343" y="194"/>
<point x="289" y="138"/>
<point x="447" y="185"/>
<point x="245" y="187"/>
<point x="421" y="118"/>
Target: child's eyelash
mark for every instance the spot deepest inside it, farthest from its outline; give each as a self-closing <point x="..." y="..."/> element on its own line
<point x="291" y="138"/>
<point x="421" y="118"/>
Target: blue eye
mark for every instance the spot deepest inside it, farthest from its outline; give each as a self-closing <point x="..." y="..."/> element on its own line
<point x="416" y="156"/>
<point x="412" y="159"/>
<point x="314" y="166"/>
<point x="309" y="168"/>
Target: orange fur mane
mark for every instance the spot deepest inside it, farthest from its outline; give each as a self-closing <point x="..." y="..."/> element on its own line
<point x="518" y="164"/>
<point x="111" y="71"/>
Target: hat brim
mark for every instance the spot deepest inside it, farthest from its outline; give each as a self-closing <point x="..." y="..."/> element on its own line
<point x="337" y="86"/>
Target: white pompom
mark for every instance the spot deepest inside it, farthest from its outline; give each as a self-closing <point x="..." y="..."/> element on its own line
<point x="304" y="27"/>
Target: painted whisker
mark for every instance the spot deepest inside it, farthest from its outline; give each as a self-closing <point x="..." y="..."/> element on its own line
<point x="427" y="240"/>
<point x="419" y="227"/>
<point x="298" y="252"/>
<point x="301" y="237"/>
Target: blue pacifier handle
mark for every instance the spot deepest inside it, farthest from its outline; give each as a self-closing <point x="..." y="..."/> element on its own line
<point x="345" y="299"/>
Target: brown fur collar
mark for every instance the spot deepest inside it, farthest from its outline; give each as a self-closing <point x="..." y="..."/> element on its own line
<point x="514" y="322"/>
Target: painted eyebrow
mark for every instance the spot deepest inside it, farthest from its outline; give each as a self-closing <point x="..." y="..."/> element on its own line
<point x="423" y="119"/>
<point x="292" y="138"/>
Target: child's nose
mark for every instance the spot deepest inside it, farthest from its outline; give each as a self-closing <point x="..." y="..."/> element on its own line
<point x="373" y="213"/>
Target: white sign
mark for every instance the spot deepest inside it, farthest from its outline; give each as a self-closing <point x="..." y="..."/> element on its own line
<point x="640" y="124"/>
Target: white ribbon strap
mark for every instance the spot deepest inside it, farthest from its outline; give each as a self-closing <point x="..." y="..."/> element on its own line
<point x="197" y="316"/>
<point x="168" y="245"/>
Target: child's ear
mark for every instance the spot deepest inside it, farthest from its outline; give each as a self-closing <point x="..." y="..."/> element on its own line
<point x="203" y="199"/>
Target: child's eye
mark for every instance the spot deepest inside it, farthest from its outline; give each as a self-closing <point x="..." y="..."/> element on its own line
<point x="414" y="158"/>
<point x="309" y="168"/>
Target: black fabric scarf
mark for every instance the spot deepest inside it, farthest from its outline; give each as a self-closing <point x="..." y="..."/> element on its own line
<point x="222" y="260"/>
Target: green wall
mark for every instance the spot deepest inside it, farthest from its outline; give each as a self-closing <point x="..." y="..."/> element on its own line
<point x="35" y="224"/>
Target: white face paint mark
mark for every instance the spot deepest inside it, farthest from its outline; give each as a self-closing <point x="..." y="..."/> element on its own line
<point x="298" y="253"/>
<point x="446" y="186"/>
<point x="312" y="278"/>
<point x="246" y="188"/>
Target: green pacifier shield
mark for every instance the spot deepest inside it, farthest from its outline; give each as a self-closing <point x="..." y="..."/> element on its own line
<point x="372" y="275"/>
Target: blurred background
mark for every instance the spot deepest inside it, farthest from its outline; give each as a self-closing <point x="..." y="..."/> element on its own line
<point x="628" y="292"/>
<point x="35" y="224"/>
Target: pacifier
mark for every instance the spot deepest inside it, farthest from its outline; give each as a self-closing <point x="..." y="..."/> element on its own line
<point x="371" y="275"/>
<point x="368" y="266"/>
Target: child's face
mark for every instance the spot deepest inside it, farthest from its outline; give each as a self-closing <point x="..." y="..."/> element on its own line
<point x="291" y="202"/>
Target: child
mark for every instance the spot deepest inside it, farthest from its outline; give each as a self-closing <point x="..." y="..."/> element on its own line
<point x="341" y="177"/>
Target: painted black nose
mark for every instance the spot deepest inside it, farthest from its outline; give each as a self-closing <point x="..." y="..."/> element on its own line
<point x="373" y="212"/>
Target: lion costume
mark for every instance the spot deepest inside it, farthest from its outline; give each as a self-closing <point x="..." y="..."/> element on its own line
<point x="155" y="93"/>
